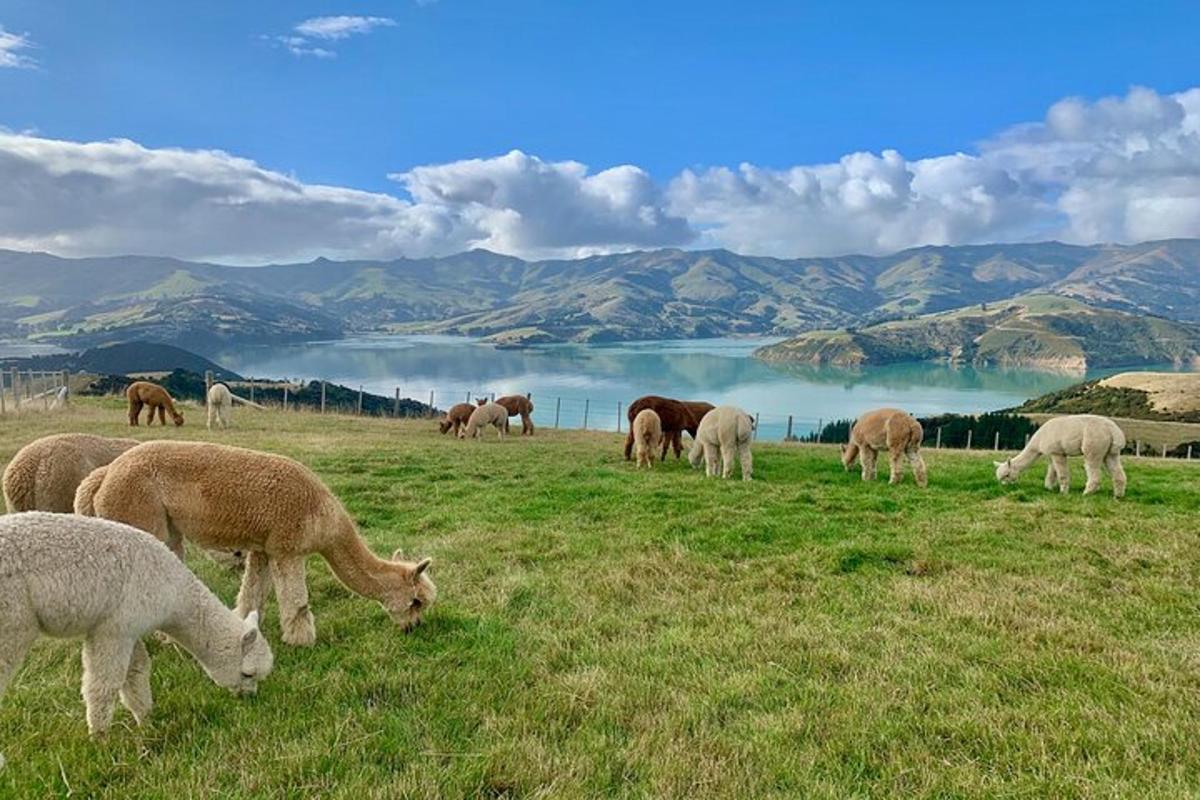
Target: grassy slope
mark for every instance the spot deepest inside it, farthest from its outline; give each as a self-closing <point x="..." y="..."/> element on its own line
<point x="605" y="632"/>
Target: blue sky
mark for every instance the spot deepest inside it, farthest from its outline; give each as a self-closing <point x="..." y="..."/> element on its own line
<point x="666" y="87"/>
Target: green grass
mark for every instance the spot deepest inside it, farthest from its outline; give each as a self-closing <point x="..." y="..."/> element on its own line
<point x="604" y="632"/>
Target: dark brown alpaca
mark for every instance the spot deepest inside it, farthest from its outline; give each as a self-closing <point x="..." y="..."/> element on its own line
<point x="145" y="393"/>
<point x="456" y="417"/>
<point x="677" y="416"/>
<point x="519" y="405"/>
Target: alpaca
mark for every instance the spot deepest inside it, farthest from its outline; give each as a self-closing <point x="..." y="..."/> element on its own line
<point x="1096" y="438"/>
<point x="220" y="405"/>
<point x="45" y="473"/>
<point x="891" y="429"/>
<point x="519" y="405"/>
<point x="647" y="436"/>
<point x="724" y="436"/>
<point x="486" y="414"/>
<point x="267" y="505"/>
<point x="456" y="417"/>
<point x="145" y="393"/>
<point x="676" y="416"/>
<point x="71" y="577"/>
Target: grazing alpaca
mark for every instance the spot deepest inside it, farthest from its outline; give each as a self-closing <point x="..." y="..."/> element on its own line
<point x="647" y="436"/>
<point x="456" y="417"/>
<point x="145" y="393"/>
<point x="270" y="506"/>
<point x="220" y="405"/>
<point x="519" y="405"/>
<point x="886" y="429"/>
<point x="110" y="584"/>
<point x="676" y="416"/>
<point x="1096" y="438"/>
<point x="723" y="437"/>
<point x="45" y="473"/>
<point x="486" y="414"/>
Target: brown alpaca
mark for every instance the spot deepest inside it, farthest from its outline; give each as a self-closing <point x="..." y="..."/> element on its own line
<point x="676" y="416"/>
<point x="275" y="508"/>
<point x="519" y="405"/>
<point x="890" y="429"/>
<point x="145" y="393"/>
<point x="647" y="436"/>
<point x="45" y="473"/>
<point x="456" y="417"/>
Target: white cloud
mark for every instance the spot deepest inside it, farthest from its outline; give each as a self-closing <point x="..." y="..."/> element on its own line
<point x="1119" y="169"/>
<point x="11" y="45"/>
<point x="311" y="37"/>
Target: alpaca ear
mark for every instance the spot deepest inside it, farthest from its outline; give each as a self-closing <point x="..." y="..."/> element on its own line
<point x="999" y="463"/>
<point x="398" y="555"/>
<point x="422" y="565"/>
<point x="251" y="620"/>
<point x="248" y="639"/>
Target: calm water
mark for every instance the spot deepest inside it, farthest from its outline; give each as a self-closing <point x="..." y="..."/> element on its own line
<point x="593" y="379"/>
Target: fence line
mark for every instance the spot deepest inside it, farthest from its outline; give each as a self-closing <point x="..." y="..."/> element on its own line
<point x="33" y="390"/>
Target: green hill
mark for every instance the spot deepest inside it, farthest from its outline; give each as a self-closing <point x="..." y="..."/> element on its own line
<point x="1033" y="331"/>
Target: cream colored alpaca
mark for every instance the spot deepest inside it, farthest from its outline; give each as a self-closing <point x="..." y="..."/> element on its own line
<point x="220" y="405"/>
<point x="484" y="415"/>
<point x="723" y="437"/>
<point x="269" y="506"/>
<point x="67" y="576"/>
<point x="887" y="429"/>
<point x="1097" y="439"/>
<point x="647" y="436"/>
<point x="45" y="473"/>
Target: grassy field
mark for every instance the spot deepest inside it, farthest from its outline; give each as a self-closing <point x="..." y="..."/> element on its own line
<point x="608" y="633"/>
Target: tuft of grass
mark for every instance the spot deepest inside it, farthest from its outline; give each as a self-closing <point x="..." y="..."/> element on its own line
<point x="608" y="632"/>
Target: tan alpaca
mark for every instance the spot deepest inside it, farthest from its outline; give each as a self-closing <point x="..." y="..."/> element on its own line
<point x="456" y="417"/>
<point x="145" y="393"/>
<point x="647" y="437"/>
<point x="484" y="415"/>
<point x="267" y="505"/>
<point x="886" y="429"/>
<point x="45" y="473"/>
<point x="1098" y="439"/>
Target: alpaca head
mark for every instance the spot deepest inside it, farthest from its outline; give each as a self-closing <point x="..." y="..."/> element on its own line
<point x="175" y="415"/>
<point x="696" y="455"/>
<point x="445" y="425"/>
<point x="1005" y="473"/>
<point x="246" y="661"/>
<point x="481" y="401"/>
<point x="847" y="459"/>
<point x="410" y="592"/>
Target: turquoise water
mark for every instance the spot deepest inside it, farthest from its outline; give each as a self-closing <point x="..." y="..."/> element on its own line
<point x="592" y="379"/>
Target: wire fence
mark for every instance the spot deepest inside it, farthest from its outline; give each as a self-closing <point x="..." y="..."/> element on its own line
<point x="33" y="390"/>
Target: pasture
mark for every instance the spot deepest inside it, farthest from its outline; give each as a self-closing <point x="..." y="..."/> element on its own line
<point x="607" y="632"/>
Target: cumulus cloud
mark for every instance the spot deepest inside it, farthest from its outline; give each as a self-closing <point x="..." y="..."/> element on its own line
<point x="313" y="36"/>
<point x="1117" y="169"/>
<point x="11" y="45"/>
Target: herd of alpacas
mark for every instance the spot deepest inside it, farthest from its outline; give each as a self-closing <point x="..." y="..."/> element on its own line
<point x="93" y="544"/>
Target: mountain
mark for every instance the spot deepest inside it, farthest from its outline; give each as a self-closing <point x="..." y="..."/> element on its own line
<point x="1032" y="331"/>
<point x="120" y="359"/>
<point x="639" y="295"/>
<point x="1162" y="396"/>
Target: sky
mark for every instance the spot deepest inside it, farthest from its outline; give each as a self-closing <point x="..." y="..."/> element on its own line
<point x="257" y="132"/>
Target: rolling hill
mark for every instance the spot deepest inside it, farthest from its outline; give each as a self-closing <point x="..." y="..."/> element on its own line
<point x="639" y="295"/>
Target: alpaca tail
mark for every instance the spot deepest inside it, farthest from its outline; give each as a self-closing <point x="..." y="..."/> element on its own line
<point x="245" y="402"/>
<point x="85" y="495"/>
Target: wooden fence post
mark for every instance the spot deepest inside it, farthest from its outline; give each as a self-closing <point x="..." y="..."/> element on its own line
<point x="557" y="408"/>
<point x="1189" y="452"/>
<point x="432" y="412"/>
<point x="1137" y="449"/>
<point x="939" y="439"/>
<point x="322" y="397"/>
<point x="468" y="397"/>
<point x="252" y="390"/>
<point x="29" y="386"/>
<point x="754" y="433"/>
<point x="586" y="404"/>
<point x="969" y="434"/>
<point x="66" y="385"/>
<point x="360" y="399"/>
<point x="788" y="437"/>
<point x="208" y="382"/>
<point x="285" y="393"/>
<point x="396" y="410"/>
<point x="997" y="446"/>
<point x="1" y="393"/>
<point x="1164" y="452"/>
<point x="618" y="416"/>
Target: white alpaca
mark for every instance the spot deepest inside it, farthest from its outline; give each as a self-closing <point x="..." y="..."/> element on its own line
<point x="486" y="414"/>
<point x="68" y="576"/>
<point x="723" y="437"/>
<point x="1097" y="439"/>
<point x="220" y="405"/>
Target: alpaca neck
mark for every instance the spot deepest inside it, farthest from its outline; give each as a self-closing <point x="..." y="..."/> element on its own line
<point x="1025" y="458"/>
<point x="354" y="564"/>
<point x="203" y="625"/>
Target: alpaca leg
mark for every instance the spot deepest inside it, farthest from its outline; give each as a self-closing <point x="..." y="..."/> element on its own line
<point x="747" y="462"/>
<point x="212" y="414"/>
<point x="728" y="457"/>
<point x="711" y="461"/>
<point x="1051" y="476"/>
<point x="676" y="444"/>
<point x="135" y="693"/>
<point x="16" y="645"/>
<point x="666" y="445"/>
<point x="526" y="424"/>
<point x="918" y="467"/>
<point x="135" y="411"/>
<point x="256" y="583"/>
<point x="1064" y="472"/>
<point x="291" y="591"/>
<point x="895" y="466"/>
<point x="1095" y="471"/>
<point x="628" y="441"/>
<point x="162" y="416"/>
<point x="105" y="665"/>
<point x="866" y="457"/>
<point x="1113" y="463"/>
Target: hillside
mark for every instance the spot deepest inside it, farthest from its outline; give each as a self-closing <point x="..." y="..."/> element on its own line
<point x="639" y="295"/>
<point x="1161" y="396"/>
<point x="605" y="632"/>
<point x="121" y="359"/>
<point x="1040" y="331"/>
